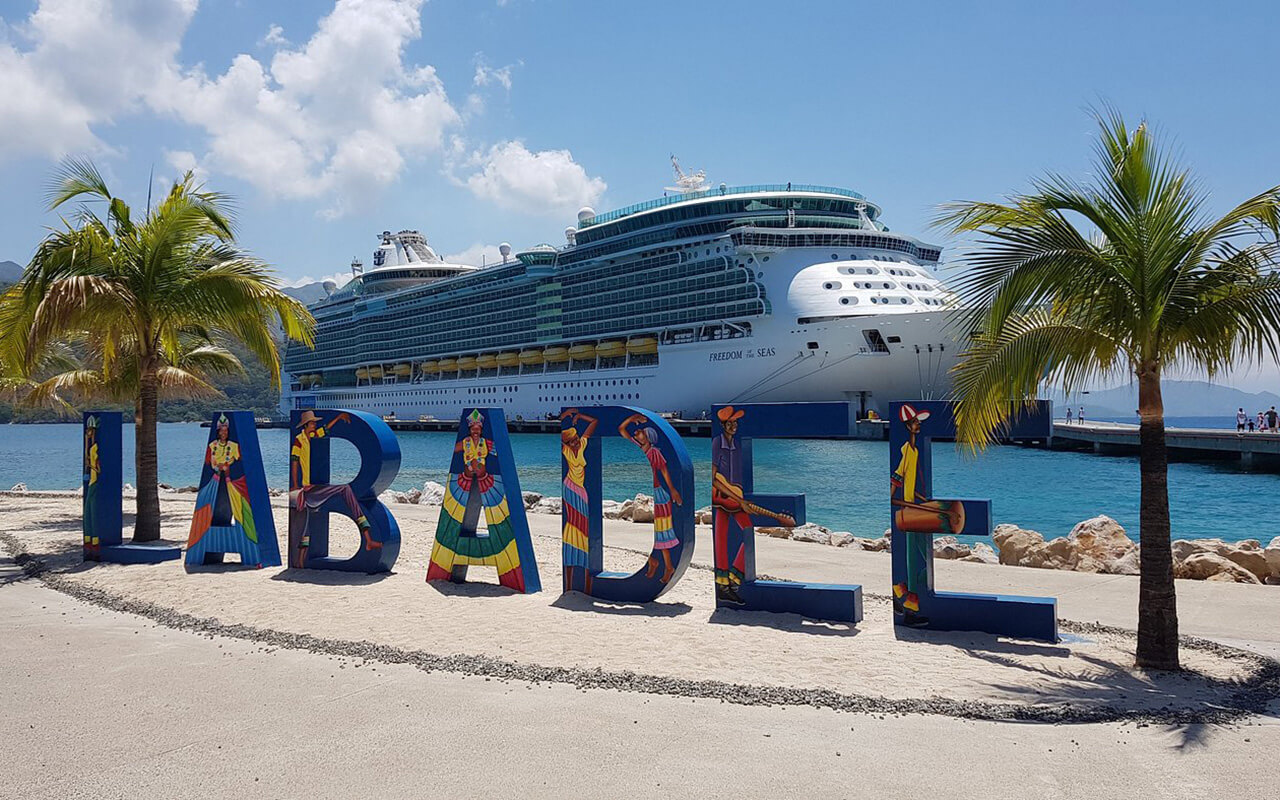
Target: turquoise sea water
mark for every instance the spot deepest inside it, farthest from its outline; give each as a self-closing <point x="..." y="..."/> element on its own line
<point x="846" y="481"/>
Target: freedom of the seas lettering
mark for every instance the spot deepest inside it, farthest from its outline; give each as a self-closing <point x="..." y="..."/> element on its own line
<point x="735" y="355"/>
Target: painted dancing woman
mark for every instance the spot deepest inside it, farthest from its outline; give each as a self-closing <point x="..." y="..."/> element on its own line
<point x="573" y="446"/>
<point x="637" y="429"/>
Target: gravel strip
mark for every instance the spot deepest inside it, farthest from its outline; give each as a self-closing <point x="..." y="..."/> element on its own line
<point x="1251" y="696"/>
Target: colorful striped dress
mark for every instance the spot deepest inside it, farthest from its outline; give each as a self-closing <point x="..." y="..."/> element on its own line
<point x="574" y="499"/>
<point x="664" y="535"/>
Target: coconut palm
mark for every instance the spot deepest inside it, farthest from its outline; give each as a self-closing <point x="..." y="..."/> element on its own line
<point x="138" y="287"/>
<point x="185" y="374"/>
<point x="1125" y="275"/>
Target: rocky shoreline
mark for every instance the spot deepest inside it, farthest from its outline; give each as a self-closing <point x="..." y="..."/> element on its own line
<point x="1096" y="545"/>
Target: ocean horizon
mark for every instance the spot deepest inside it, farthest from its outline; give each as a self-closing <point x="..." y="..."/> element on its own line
<point x="846" y="482"/>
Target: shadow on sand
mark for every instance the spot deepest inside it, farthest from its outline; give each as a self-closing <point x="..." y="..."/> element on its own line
<point x="791" y="623"/>
<point x="576" y="601"/>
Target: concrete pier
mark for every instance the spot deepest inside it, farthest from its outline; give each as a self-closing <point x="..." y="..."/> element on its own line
<point x="1253" y="450"/>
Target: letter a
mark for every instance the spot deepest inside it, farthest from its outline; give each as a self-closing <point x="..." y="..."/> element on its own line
<point x="482" y="475"/>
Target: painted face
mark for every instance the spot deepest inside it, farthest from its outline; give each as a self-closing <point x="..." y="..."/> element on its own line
<point x="913" y="425"/>
<point x="476" y="429"/>
<point x="310" y="427"/>
<point x="642" y="438"/>
<point x="569" y="437"/>
<point x="730" y="426"/>
<point x="223" y="433"/>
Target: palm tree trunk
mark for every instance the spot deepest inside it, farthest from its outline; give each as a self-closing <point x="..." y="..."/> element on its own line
<point x="1157" y="602"/>
<point x="147" y="526"/>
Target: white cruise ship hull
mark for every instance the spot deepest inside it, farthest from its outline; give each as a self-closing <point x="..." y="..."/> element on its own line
<point x="771" y="366"/>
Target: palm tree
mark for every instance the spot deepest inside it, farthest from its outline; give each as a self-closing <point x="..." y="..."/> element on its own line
<point x="185" y="374"/>
<point x="1124" y="275"/>
<point x="137" y="288"/>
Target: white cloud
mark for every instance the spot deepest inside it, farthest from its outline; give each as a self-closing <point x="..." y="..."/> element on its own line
<point x="339" y="278"/>
<point x="546" y="182"/>
<point x="275" y="36"/>
<point x="75" y="65"/>
<point x="337" y="118"/>
<point x="476" y="255"/>
<point x="486" y="75"/>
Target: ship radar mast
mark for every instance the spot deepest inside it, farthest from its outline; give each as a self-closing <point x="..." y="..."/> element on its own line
<point x="357" y="267"/>
<point x="687" y="183"/>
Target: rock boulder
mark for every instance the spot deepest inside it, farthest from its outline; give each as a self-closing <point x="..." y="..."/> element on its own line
<point x="432" y="494"/>
<point x="642" y="508"/>
<point x="949" y="547"/>
<point x="1014" y="543"/>
<point x="1211" y="566"/>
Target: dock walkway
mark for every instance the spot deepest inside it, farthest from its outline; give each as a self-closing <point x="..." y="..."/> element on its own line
<point x="1251" y="449"/>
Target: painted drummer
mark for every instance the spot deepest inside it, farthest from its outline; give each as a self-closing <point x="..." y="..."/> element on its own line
<point x="914" y="512"/>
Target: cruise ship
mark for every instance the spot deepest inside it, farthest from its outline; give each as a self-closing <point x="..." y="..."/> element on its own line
<point x="725" y="294"/>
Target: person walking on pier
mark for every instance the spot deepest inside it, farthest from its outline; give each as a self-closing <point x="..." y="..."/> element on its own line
<point x="1262" y="422"/>
<point x="1080" y="416"/>
<point x="1271" y="418"/>
<point x="1068" y="415"/>
<point x="1241" y="419"/>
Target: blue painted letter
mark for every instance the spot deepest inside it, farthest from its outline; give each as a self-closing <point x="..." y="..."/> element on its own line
<point x="482" y="476"/>
<point x="917" y="516"/>
<point x="583" y="519"/>
<point x="737" y="509"/>
<point x="312" y="498"/>
<point x="233" y="510"/>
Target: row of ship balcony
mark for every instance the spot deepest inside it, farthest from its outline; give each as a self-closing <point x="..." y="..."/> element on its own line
<point x="638" y="352"/>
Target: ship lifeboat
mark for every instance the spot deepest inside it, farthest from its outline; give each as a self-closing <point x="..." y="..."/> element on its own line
<point x="317" y="379"/>
<point x="644" y="346"/>
<point x="375" y="372"/>
<point x="429" y="366"/>
<point x="487" y="361"/>
<point x="404" y="370"/>
<point x="556" y="354"/>
<point x="508" y="359"/>
<point x="582" y="352"/>
<point x="531" y="357"/>
<point x="610" y="349"/>
<point x="467" y="363"/>
<point x="362" y="373"/>
<point x="448" y="364"/>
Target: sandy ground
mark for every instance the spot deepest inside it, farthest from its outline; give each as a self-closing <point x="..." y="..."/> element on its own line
<point x="682" y="636"/>
<point x="102" y="704"/>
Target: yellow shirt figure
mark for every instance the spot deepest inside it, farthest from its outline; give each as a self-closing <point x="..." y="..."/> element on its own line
<point x="906" y="471"/>
<point x="302" y="451"/>
<point x="224" y="454"/>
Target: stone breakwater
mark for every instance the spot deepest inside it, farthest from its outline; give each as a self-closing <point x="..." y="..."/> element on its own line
<point x="1097" y="545"/>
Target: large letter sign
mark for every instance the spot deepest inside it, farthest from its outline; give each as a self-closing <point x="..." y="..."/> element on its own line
<point x="101" y="482"/>
<point x="233" y="510"/>
<point x="736" y="509"/>
<point x="582" y="515"/>
<point x="482" y="475"/>
<point x="917" y="516"/>
<point x="312" y="499"/>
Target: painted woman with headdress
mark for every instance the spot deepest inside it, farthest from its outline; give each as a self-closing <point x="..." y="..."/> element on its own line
<point x="637" y="428"/>
<point x="223" y="521"/>
<point x="573" y="446"/>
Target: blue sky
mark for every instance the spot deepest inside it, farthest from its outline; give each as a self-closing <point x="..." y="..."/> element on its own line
<point x="478" y="121"/>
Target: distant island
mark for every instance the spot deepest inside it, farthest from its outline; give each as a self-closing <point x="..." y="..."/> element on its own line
<point x="1181" y="399"/>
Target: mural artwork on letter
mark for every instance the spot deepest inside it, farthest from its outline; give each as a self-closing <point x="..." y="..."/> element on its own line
<point x="233" y="511"/>
<point x="312" y="498"/>
<point x="482" y="476"/>
<point x="102" y="483"/>
<point x="737" y="508"/>
<point x="582" y="515"/>
<point x="917" y="516"/>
